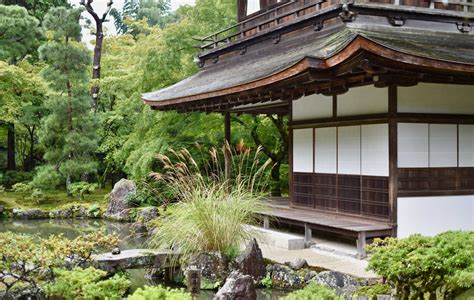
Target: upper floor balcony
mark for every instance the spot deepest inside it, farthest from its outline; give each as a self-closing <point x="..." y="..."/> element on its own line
<point x="259" y="17"/>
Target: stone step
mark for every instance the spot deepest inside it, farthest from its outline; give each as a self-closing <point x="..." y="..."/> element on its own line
<point x="278" y="239"/>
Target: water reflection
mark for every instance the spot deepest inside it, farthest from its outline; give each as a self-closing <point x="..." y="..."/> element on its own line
<point x="130" y="239"/>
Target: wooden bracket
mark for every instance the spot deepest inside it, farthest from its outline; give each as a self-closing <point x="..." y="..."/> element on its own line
<point x="346" y="15"/>
<point x="464" y="27"/>
<point x="276" y="38"/>
<point x="215" y="59"/>
<point x="242" y="50"/>
<point x="397" y="20"/>
<point x="318" y="25"/>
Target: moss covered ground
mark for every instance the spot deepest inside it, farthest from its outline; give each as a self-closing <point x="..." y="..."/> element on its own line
<point x="53" y="200"/>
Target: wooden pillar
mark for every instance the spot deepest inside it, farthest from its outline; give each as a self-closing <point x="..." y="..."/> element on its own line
<point x="393" y="156"/>
<point x="290" y="152"/>
<point x="227" y="154"/>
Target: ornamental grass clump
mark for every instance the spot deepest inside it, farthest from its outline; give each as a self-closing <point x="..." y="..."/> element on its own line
<point x="211" y="210"/>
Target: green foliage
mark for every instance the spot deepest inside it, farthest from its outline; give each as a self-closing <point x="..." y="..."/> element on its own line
<point x="159" y="293"/>
<point x="94" y="211"/>
<point x="371" y="291"/>
<point x="417" y="266"/>
<point x="68" y="131"/>
<point x="81" y="188"/>
<point x="208" y="217"/>
<point x="266" y="281"/>
<point x="87" y="283"/>
<point x="38" y="195"/>
<point x="23" y="188"/>
<point x="313" y="291"/>
<point x="2" y="189"/>
<point x="9" y="178"/>
<point x="20" y="33"/>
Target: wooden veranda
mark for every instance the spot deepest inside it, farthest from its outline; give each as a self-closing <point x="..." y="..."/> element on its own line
<point x="279" y="210"/>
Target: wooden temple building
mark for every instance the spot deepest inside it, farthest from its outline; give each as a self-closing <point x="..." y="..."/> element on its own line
<point x="380" y="99"/>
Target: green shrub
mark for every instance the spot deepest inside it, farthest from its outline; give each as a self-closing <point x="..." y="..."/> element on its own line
<point x="159" y="293"/>
<point x="372" y="291"/>
<point x="22" y="188"/>
<point x="47" y="178"/>
<point x="9" y="178"/>
<point x="37" y="195"/>
<point x="82" y="188"/>
<point x="94" y="211"/>
<point x="2" y="189"/>
<point x="266" y="281"/>
<point x="87" y="283"/>
<point x="314" y="291"/>
<point x="208" y="217"/>
<point x="421" y="266"/>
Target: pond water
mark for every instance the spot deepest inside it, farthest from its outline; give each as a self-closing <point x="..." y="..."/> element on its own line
<point x="71" y="228"/>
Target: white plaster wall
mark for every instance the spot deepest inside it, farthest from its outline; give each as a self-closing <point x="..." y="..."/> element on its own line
<point x="413" y="145"/>
<point x="312" y="107"/>
<point x="349" y="150"/>
<point x="374" y="142"/>
<point x="303" y="150"/>
<point x="466" y="145"/>
<point x="363" y="100"/>
<point x="325" y="155"/>
<point x="433" y="215"/>
<point x="443" y="145"/>
<point x="436" y="98"/>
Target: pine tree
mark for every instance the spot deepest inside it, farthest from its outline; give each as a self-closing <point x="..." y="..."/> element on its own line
<point x="68" y="132"/>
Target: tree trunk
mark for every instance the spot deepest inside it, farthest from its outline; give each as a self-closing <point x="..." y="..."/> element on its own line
<point x="275" y="185"/>
<point x="30" y="164"/>
<point x="11" y="164"/>
<point x="96" y="65"/>
<point x="99" y="37"/>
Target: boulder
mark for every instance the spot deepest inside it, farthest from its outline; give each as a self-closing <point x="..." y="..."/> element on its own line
<point x="143" y="217"/>
<point x="214" y="268"/>
<point x="119" y="208"/>
<point x="29" y="213"/>
<point x="298" y="264"/>
<point x="342" y="283"/>
<point x="284" y="277"/>
<point x="237" y="287"/>
<point x="250" y="261"/>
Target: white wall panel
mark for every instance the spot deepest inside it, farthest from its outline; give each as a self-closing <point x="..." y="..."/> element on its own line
<point x="312" y="107"/>
<point x="303" y="150"/>
<point x="443" y="145"/>
<point x="375" y="150"/>
<point x="325" y="155"/>
<point x="433" y="215"/>
<point x="436" y="98"/>
<point x="349" y="150"/>
<point x="466" y="145"/>
<point x="363" y="100"/>
<point x="413" y="145"/>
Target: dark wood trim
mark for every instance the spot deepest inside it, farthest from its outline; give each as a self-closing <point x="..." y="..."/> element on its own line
<point x="435" y="118"/>
<point x="393" y="156"/>
<point x="290" y="153"/>
<point x="228" y="143"/>
<point x="334" y="106"/>
<point x="341" y="121"/>
<point x="436" y="193"/>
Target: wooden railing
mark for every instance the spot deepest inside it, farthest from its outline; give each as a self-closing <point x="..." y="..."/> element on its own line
<point x="295" y="9"/>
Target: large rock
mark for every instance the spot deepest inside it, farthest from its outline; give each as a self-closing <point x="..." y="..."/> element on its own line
<point x="214" y="268"/>
<point x="29" y="213"/>
<point x="250" y="261"/>
<point x="342" y="283"/>
<point x="143" y="217"/>
<point x="298" y="264"/>
<point x="119" y="208"/>
<point x="237" y="287"/>
<point x="284" y="277"/>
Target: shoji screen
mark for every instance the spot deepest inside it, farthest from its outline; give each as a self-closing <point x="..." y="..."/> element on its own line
<point x="303" y="150"/>
<point x="443" y="145"/>
<point x="413" y="145"/>
<point x="325" y="153"/>
<point x="349" y="150"/>
<point x="374" y="143"/>
<point x="466" y="145"/>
